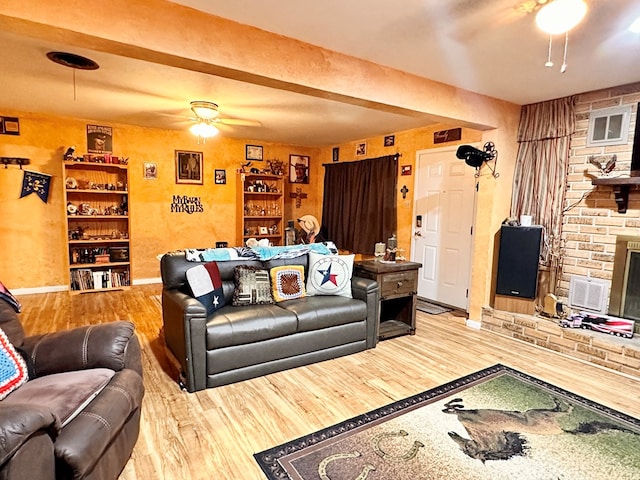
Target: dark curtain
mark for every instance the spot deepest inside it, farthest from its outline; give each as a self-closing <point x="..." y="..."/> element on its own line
<point x="359" y="207"/>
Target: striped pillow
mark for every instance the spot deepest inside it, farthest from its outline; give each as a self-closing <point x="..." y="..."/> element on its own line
<point x="252" y="286"/>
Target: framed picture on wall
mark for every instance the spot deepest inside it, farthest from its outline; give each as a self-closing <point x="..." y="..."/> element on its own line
<point x="361" y="148"/>
<point x="253" y="152"/>
<point x="298" y="169"/>
<point x="150" y="170"/>
<point x="221" y="177"/>
<point x="189" y="167"/>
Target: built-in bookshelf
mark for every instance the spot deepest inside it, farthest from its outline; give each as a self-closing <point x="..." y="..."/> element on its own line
<point x="97" y="212"/>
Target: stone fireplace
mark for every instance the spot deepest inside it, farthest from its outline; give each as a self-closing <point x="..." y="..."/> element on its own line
<point x="625" y="281"/>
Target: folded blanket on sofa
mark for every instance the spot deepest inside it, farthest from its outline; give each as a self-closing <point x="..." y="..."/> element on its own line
<point x="257" y="253"/>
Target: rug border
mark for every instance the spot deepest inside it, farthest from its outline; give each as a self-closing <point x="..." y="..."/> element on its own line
<point x="268" y="460"/>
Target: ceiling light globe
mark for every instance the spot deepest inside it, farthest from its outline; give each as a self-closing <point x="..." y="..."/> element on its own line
<point x="203" y="130"/>
<point x="560" y="16"/>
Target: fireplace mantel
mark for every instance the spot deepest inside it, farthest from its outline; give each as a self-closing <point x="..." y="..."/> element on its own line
<point x="621" y="187"/>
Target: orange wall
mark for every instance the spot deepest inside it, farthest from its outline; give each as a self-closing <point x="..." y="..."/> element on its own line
<point x="33" y="233"/>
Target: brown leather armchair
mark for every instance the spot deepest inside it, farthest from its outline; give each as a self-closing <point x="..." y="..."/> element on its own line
<point x="78" y="416"/>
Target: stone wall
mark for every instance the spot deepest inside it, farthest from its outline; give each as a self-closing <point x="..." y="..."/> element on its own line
<point x="622" y="355"/>
<point x="591" y="219"/>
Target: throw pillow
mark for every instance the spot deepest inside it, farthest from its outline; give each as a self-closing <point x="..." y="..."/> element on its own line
<point x="330" y="274"/>
<point x="206" y="285"/>
<point x="13" y="370"/>
<point x="252" y="286"/>
<point x="287" y="282"/>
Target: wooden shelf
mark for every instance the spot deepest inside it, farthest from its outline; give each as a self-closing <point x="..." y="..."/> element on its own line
<point x="621" y="187"/>
<point x="96" y="290"/>
<point x="262" y="201"/>
<point x="95" y="190"/>
<point x="96" y="232"/>
<point x="71" y="163"/>
<point x="98" y="265"/>
<point x="96" y="217"/>
<point x="110" y="240"/>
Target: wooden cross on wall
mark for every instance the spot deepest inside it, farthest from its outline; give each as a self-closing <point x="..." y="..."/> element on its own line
<point x="298" y="195"/>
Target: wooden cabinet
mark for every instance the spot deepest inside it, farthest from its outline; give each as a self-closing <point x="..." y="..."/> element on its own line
<point x="398" y="285"/>
<point x="97" y="212"/>
<point x="260" y="203"/>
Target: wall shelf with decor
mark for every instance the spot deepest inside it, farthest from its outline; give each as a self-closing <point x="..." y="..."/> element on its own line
<point x="260" y="204"/>
<point x="621" y="188"/>
<point x="97" y="212"/>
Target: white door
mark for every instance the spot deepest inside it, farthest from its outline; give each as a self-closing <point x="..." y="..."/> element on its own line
<point x="442" y="226"/>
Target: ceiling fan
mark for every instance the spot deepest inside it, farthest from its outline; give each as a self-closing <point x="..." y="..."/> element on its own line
<point x="206" y="119"/>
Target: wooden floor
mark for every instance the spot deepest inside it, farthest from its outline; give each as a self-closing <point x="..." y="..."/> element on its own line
<point x="213" y="434"/>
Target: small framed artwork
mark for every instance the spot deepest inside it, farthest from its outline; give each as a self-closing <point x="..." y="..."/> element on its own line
<point x="389" y="140"/>
<point x="189" y="167"/>
<point x="253" y="152"/>
<point x="361" y="148"/>
<point x="150" y="170"/>
<point x="99" y="139"/>
<point x="221" y="177"/>
<point x="406" y="170"/>
<point x="299" y="168"/>
<point x="336" y="154"/>
<point x="263" y="230"/>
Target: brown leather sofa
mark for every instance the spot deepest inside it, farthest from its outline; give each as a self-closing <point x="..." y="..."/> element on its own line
<point x="78" y="416"/>
<point x="236" y="343"/>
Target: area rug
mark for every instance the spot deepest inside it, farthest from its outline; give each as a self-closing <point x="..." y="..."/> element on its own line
<point x="495" y="424"/>
<point x="431" y="308"/>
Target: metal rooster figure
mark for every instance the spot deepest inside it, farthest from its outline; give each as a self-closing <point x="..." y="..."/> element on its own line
<point x="607" y="167"/>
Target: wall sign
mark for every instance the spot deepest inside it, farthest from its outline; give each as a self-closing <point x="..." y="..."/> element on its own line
<point x="447" y="135"/>
<point x="186" y="204"/>
<point x="9" y="126"/>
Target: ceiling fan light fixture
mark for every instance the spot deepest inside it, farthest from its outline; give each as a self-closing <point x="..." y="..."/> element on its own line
<point x="204" y="129"/>
<point x="205" y="110"/>
<point x="560" y="16"/>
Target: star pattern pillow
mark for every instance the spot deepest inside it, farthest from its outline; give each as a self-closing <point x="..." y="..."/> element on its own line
<point x="206" y="285"/>
<point x="287" y="282"/>
<point x="330" y="274"/>
<point x="13" y="369"/>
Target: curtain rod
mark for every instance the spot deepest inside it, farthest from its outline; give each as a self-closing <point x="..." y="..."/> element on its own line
<point x="396" y="155"/>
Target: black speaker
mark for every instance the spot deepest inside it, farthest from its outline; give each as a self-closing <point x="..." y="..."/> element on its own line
<point x="518" y="261"/>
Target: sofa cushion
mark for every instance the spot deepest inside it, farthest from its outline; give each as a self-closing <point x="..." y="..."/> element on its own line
<point x="240" y="325"/>
<point x="330" y="274"/>
<point x="287" y="282"/>
<point x="252" y="286"/>
<point x="64" y="394"/>
<point x="13" y="369"/>
<point x="206" y="285"/>
<point x="318" y="312"/>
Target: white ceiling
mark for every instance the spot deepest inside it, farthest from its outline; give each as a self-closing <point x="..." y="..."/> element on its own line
<point x="486" y="46"/>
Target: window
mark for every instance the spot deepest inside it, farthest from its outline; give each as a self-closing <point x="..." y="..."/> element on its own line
<point x="609" y="126"/>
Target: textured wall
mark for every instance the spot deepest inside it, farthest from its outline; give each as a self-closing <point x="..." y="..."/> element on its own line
<point x="33" y="233"/>
<point x="592" y="221"/>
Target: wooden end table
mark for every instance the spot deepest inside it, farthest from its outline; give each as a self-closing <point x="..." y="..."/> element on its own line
<point x="398" y="284"/>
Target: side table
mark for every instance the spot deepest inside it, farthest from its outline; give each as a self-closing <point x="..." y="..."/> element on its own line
<point x="398" y="284"/>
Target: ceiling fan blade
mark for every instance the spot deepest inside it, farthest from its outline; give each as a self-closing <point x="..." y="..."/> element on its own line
<point x="238" y="122"/>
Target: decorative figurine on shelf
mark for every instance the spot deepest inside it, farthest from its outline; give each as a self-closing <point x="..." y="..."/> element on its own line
<point x="607" y="167"/>
<point x="68" y="154"/>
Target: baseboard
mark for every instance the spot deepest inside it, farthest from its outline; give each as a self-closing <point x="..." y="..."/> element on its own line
<point x="32" y="290"/>
<point x="63" y="288"/>
<point x="473" y="324"/>
<point x="147" y="281"/>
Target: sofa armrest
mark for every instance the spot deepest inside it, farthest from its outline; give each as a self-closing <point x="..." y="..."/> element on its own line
<point x="367" y="290"/>
<point x="20" y="422"/>
<point x="111" y="345"/>
<point x="185" y="323"/>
